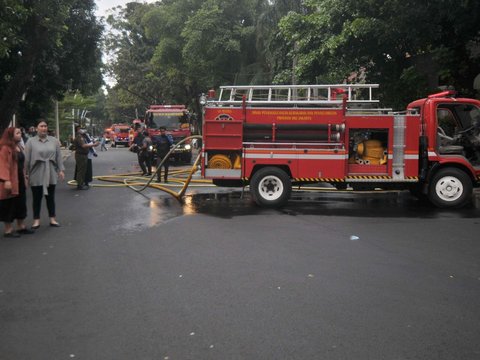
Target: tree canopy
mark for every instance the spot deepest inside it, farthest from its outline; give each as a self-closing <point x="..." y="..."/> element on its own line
<point x="409" y="47"/>
<point x="181" y="48"/>
<point x="171" y="51"/>
<point x="46" y="48"/>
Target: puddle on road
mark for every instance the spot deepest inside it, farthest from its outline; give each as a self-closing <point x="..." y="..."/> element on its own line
<point x="379" y="204"/>
<point x="155" y="210"/>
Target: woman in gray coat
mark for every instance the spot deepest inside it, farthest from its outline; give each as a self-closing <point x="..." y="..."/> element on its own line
<point x="43" y="165"/>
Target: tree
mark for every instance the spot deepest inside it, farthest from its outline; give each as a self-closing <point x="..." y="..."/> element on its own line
<point x="51" y="47"/>
<point x="130" y="51"/>
<point x="409" y="47"/>
<point x="271" y="46"/>
<point x="172" y="51"/>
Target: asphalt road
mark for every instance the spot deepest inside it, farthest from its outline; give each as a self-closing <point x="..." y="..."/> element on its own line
<point x="330" y="276"/>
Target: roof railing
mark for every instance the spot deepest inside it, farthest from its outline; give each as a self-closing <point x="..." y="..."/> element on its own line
<point x="316" y="95"/>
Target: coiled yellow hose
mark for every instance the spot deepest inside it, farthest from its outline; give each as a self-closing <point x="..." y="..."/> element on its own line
<point x="219" y="161"/>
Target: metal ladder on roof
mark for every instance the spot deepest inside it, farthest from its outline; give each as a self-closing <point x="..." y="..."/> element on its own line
<point x="318" y="95"/>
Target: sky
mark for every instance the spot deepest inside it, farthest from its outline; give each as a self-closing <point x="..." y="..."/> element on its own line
<point x="104" y="5"/>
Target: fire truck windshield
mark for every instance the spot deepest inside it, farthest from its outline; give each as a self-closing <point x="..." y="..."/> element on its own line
<point x="171" y="121"/>
<point x="122" y="130"/>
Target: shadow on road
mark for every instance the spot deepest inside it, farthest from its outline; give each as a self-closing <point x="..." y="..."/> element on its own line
<point x="381" y="204"/>
<point x="155" y="210"/>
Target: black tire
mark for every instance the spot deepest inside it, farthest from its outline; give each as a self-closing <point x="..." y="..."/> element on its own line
<point x="450" y="188"/>
<point x="270" y="187"/>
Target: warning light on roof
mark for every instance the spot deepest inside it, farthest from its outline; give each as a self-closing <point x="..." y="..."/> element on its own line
<point x="447" y="93"/>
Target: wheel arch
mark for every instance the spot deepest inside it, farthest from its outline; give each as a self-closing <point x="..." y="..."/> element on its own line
<point x="439" y="166"/>
<point x="257" y="167"/>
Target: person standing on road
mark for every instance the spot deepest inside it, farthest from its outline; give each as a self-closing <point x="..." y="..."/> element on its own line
<point x="43" y="166"/>
<point x="91" y="154"/>
<point x="82" y="150"/>
<point x="13" y="197"/>
<point x="137" y="147"/>
<point x="145" y="153"/>
<point x="163" y="142"/>
<point x="103" y="143"/>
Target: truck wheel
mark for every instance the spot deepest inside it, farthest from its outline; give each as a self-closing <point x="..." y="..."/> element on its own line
<point x="450" y="188"/>
<point x="270" y="187"/>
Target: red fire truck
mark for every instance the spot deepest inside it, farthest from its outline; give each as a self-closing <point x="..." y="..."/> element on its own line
<point x="273" y="137"/>
<point x="120" y="134"/>
<point x="176" y="119"/>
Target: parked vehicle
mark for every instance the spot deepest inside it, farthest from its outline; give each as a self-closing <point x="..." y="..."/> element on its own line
<point x="177" y="121"/>
<point x="120" y="134"/>
<point x="273" y="137"/>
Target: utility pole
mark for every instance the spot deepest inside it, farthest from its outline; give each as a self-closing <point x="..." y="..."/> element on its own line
<point x="73" y="123"/>
<point x="57" y="121"/>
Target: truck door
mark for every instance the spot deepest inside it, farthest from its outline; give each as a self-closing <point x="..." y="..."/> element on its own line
<point x="458" y="130"/>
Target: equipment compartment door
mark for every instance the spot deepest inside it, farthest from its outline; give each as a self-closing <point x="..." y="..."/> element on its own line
<point x="322" y="164"/>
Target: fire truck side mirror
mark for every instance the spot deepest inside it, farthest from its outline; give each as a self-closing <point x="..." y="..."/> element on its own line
<point x="203" y="99"/>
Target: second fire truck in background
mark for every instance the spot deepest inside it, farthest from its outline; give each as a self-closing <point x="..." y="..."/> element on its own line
<point x="120" y="134"/>
<point x="177" y="121"/>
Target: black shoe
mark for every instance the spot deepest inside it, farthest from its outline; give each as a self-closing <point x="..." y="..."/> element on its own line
<point x="54" y="224"/>
<point x="35" y="227"/>
<point x="83" y="187"/>
<point x="25" y="231"/>
<point x="11" y="235"/>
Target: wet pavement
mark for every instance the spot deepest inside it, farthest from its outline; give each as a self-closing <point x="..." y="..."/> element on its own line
<point x="228" y="204"/>
<point x="331" y="275"/>
<point x="158" y="207"/>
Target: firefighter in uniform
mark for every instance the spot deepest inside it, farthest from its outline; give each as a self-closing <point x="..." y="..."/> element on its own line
<point x="145" y="154"/>
<point x="137" y="147"/>
<point x="162" y="142"/>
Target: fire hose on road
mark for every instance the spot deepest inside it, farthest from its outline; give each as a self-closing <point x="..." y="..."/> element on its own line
<point x="133" y="180"/>
<point x="177" y="195"/>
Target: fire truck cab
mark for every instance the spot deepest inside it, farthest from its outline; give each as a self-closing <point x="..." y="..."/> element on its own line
<point x="176" y="120"/>
<point x="273" y="137"/>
